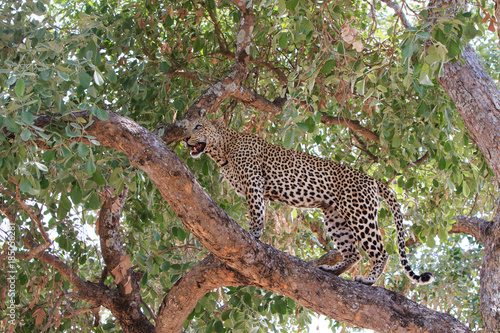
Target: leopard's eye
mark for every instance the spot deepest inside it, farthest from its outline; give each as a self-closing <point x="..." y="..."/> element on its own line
<point x="197" y="127"/>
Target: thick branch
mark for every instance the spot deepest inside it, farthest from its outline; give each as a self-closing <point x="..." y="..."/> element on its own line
<point x="207" y="275"/>
<point x="260" y="263"/>
<point x="108" y="228"/>
<point x="469" y="225"/>
<point x="251" y="98"/>
<point x="212" y="98"/>
<point x="126" y="306"/>
<point x="478" y="101"/>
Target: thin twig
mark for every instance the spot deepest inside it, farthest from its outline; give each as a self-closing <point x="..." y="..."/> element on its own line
<point x="399" y="12"/>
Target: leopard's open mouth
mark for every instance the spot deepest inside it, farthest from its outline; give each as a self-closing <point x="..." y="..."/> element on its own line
<point x="197" y="149"/>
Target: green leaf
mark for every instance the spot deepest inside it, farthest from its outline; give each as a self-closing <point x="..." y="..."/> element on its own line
<point x="179" y="233"/>
<point x="112" y="76"/>
<point x="466" y="189"/>
<point x="25" y="186"/>
<point x="11" y="125"/>
<point x="328" y="66"/>
<point x="396" y="142"/>
<point x="453" y="49"/>
<point x="41" y="167"/>
<point x="311" y="124"/>
<point x="425" y="80"/>
<point x="25" y="134"/>
<point x="76" y="193"/>
<point x="27" y="118"/>
<point x="178" y="105"/>
<point x="470" y="31"/>
<point x="283" y="41"/>
<point x="280" y="306"/>
<point x="98" y="78"/>
<point x="85" y="79"/>
<point x="62" y="75"/>
<point x="407" y="50"/>
<point x="19" y="89"/>
<point x="98" y="178"/>
<point x="442" y="163"/>
<point x="164" y="67"/>
<point x="94" y="201"/>
<point x="443" y="234"/>
<point x="156" y="236"/>
<point x="289" y="138"/>
<point x="218" y="327"/>
<point x="430" y="241"/>
<point x="90" y="166"/>
<point x="40" y="6"/>
<point x="99" y="113"/>
<point x="291" y="4"/>
<point x="423" y="35"/>
<point x="83" y="150"/>
<point x="48" y="155"/>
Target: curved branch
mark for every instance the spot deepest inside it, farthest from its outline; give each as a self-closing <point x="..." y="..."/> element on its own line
<point x="469" y="225"/>
<point x="126" y="306"/>
<point x="251" y="98"/>
<point x="87" y="291"/>
<point x="211" y="99"/>
<point x="261" y="264"/>
<point x="399" y="12"/>
<point x="180" y="301"/>
<point x="27" y="209"/>
<point x="354" y="125"/>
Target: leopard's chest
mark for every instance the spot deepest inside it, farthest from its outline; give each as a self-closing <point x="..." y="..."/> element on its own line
<point x="229" y="172"/>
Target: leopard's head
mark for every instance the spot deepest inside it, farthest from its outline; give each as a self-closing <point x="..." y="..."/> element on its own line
<point x="203" y="136"/>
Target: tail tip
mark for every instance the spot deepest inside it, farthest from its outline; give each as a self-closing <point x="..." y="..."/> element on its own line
<point x="426" y="278"/>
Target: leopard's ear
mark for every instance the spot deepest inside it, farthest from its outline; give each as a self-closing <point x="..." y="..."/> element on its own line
<point x="219" y="121"/>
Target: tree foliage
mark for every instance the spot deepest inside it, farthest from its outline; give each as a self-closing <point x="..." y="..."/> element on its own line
<point x="351" y="81"/>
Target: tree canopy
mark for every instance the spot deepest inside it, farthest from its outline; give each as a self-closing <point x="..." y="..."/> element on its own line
<point x="109" y="228"/>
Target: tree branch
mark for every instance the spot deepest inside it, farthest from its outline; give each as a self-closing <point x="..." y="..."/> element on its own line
<point x="251" y="98"/>
<point x="261" y="264"/>
<point x="469" y="225"/>
<point x="126" y="306"/>
<point x="34" y="217"/>
<point x="86" y="290"/>
<point x="354" y="125"/>
<point x="399" y="12"/>
<point x="180" y="301"/>
<point x="210" y="99"/>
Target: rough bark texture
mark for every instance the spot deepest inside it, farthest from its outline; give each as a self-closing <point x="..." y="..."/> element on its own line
<point x="478" y="101"/>
<point x="238" y="259"/>
<point x="180" y="301"/>
<point x="260" y="264"/>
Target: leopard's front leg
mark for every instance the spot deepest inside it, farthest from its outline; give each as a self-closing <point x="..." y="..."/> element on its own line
<point x="256" y="206"/>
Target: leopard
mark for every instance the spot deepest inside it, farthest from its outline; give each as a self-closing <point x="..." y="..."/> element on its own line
<point x="349" y="199"/>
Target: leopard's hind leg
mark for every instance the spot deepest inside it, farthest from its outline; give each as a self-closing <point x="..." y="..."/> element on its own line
<point x="345" y="241"/>
<point x="370" y="239"/>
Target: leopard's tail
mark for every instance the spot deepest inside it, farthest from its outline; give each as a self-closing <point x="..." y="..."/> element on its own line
<point x="389" y="197"/>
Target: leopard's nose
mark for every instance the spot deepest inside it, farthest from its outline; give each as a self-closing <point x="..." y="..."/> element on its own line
<point x="187" y="139"/>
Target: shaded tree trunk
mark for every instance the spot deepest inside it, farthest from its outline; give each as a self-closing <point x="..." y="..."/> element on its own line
<point x="478" y="101"/>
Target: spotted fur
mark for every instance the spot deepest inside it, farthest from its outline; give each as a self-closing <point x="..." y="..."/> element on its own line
<point x="349" y="199"/>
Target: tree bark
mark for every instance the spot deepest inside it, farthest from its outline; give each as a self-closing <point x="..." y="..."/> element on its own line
<point x="478" y="101"/>
<point x="180" y="301"/>
<point x="261" y="264"/>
